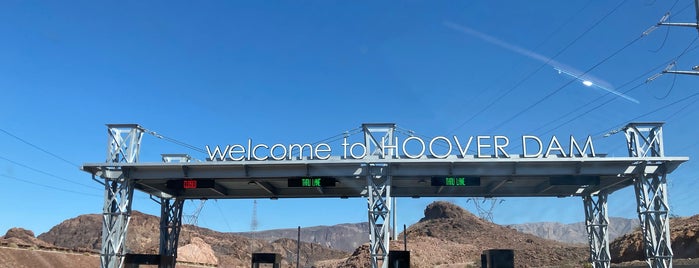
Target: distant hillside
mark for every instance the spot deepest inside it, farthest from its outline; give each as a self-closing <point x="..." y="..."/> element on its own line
<point x="575" y="232"/>
<point x="450" y="235"/>
<point x="197" y="245"/>
<point x="446" y="237"/>
<point x="345" y="237"/>
<point x="684" y="233"/>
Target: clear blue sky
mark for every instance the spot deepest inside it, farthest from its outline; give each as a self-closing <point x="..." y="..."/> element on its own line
<point x="219" y="72"/>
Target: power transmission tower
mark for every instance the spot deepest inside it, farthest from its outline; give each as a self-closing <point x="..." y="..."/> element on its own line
<point x="193" y="219"/>
<point x="663" y="22"/>
<point x="253" y="226"/>
<point x="253" y="221"/>
<point x="485" y="206"/>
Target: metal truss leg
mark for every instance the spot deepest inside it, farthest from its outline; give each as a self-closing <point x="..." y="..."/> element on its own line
<point x="116" y="214"/>
<point x="170" y="226"/>
<point x="653" y="212"/>
<point x="379" y="195"/>
<point x="596" y="221"/>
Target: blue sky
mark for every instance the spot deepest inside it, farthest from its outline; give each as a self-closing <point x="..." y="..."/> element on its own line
<point x="220" y="72"/>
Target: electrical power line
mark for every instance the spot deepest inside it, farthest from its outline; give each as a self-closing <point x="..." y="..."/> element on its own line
<point x="39" y="148"/>
<point x="686" y="98"/>
<point x="531" y="74"/>
<point x="47" y="186"/>
<point x="554" y="92"/>
<point x="223" y="216"/>
<point x="577" y="109"/>
<point x="174" y="141"/>
<point x="583" y="113"/>
<point x="46" y="173"/>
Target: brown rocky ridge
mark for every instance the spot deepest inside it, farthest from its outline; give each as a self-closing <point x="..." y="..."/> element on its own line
<point x="196" y="244"/>
<point x="684" y="234"/>
<point x="448" y="235"/>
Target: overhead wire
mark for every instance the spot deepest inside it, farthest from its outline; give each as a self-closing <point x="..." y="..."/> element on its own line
<point x="564" y="24"/>
<point x="550" y="94"/>
<point x="585" y="112"/>
<point x="686" y="98"/>
<point x="47" y="186"/>
<point x="330" y="139"/>
<point x="672" y="86"/>
<point x="674" y="77"/>
<point x="531" y="74"/>
<point x="46" y="173"/>
<point x="197" y="149"/>
<point x="667" y="33"/>
<point x="577" y="109"/>
<point x="223" y="216"/>
<point x="591" y="109"/>
<point x="684" y="9"/>
<point x="528" y="76"/>
<point x="687" y="49"/>
<point x="680" y="110"/>
<point x="39" y="148"/>
<point x="174" y="141"/>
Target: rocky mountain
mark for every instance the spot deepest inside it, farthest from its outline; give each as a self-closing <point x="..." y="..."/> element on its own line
<point x="575" y="232"/>
<point x="345" y="237"/>
<point x="449" y="235"/>
<point x="446" y="237"/>
<point x="197" y="245"/>
<point x="684" y="233"/>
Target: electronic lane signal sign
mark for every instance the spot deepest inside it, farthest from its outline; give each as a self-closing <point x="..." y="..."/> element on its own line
<point x="456" y="181"/>
<point x="191" y="184"/>
<point x="312" y="182"/>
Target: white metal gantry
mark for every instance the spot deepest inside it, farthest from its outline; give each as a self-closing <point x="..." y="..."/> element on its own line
<point x="384" y="174"/>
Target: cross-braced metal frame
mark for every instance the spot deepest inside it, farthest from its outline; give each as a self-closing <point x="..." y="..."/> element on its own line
<point x="653" y="212"/>
<point x="379" y="137"/>
<point x="596" y="222"/>
<point x="379" y="195"/>
<point x="647" y="167"/>
<point x="645" y="140"/>
<point x="123" y="146"/>
<point x="170" y="226"/>
<point x="171" y="217"/>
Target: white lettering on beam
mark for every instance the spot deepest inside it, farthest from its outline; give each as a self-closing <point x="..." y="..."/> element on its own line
<point x="412" y="147"/>
<point x="588" y="144"/>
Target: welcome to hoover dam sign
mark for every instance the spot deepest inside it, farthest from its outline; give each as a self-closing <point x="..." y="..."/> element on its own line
<point x="411" y="148"/>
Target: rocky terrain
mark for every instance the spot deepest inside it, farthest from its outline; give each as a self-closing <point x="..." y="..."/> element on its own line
<point x="574" y="232"/>
<point x="446" y="237"/>
<point x="684" y="233"/>
<point x="346" y="237"/>
<point x="197" y="245"/>
<point x="19" y="248"/>
<point x="449" y="235"/>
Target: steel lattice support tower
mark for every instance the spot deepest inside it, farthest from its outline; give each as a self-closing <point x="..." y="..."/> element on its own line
<point x="379" y="197"/>
<point x="123" y="147"/>
<point x="171" y="217"/>
<point x="379" y="137"/>
<point x="170" y="226"/>
<point x="645" y="140"/>
<point x="596" y="222"/>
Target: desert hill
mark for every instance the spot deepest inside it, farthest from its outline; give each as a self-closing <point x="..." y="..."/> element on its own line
<point x="684" y="233"/>
<point x="447" y="236"/>
<point x="345" y="237"/>
<point x="450" y="235"/>
<point x="198" y="245"/>
<point x="574" y="233"/>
